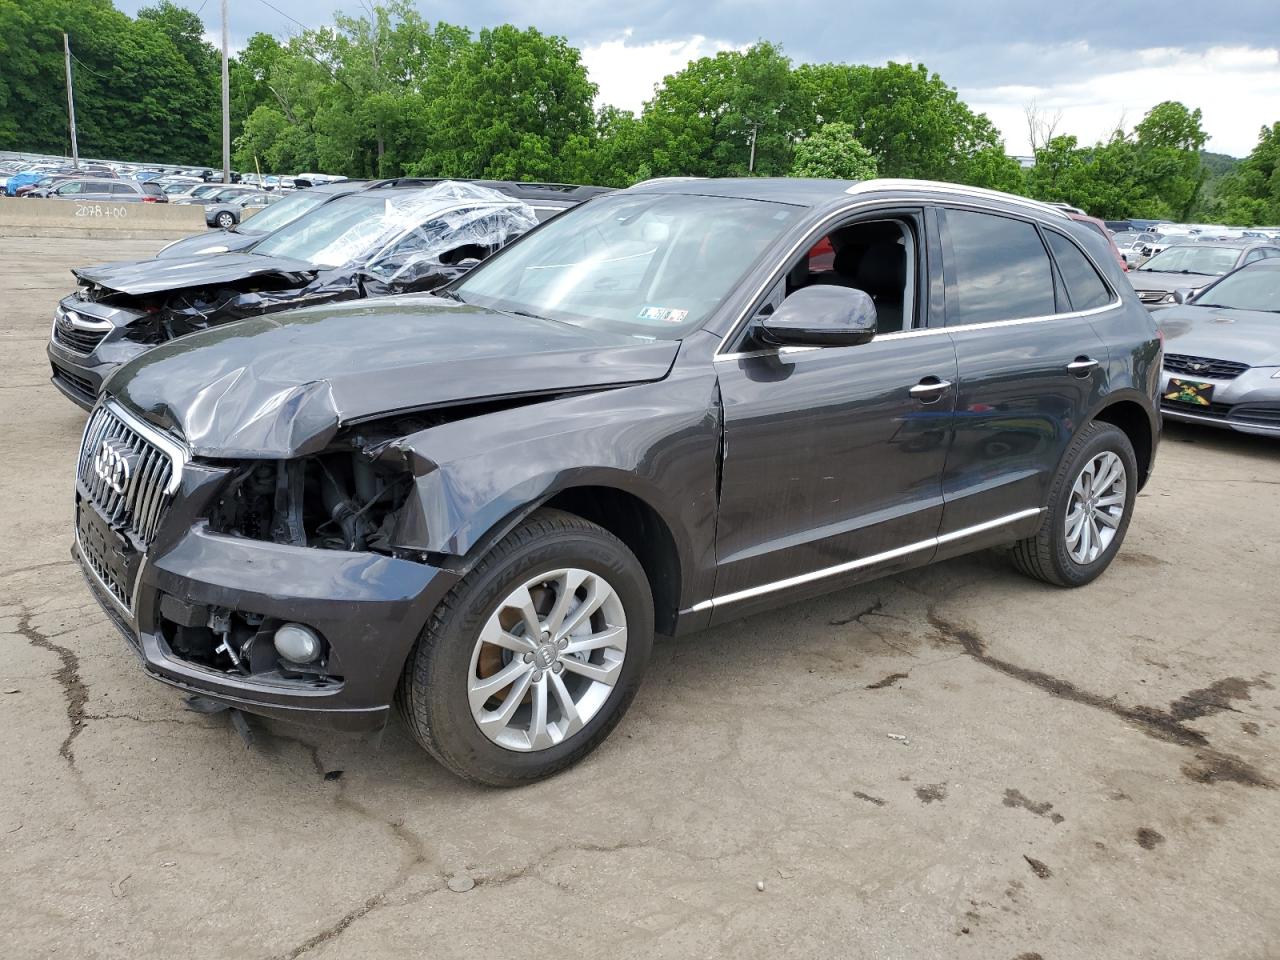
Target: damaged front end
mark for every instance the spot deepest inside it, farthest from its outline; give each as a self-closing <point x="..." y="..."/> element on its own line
<point x="161" y="316"/>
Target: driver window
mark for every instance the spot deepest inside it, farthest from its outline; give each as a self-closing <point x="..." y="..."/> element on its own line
<point x="877" y="257"/>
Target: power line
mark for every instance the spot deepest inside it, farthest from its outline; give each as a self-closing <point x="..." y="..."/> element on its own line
<point x="90" y="69"/>
<point x="285" y="15"/>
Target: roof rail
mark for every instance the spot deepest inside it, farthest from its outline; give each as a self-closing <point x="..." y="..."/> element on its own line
<point x="887" y="183"/>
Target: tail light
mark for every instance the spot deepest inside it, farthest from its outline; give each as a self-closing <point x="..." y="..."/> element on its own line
<point x="148" y="199"/>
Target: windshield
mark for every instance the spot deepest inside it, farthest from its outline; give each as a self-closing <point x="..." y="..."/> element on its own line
<point x="1211" y="261"/>
<point x="280" y="213"/>
<point x="648" y="265"/>
<point x="1247" y="289"/>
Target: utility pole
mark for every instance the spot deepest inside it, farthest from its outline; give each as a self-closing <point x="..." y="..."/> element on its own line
<point x="751" y="165"/>
<point x="226" y="103"/>
<point x="71" y="104"/>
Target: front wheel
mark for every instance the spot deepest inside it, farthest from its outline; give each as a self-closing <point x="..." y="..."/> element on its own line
<point x="533" y="658"/>
<point x="225" y="220"/>
<point x="1089" y="510"/>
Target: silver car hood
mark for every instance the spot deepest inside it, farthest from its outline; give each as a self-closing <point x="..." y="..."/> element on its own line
<point x="1243" y="336"/>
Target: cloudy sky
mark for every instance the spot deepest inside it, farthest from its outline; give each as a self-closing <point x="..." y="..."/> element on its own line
<point x="1095" y="63"/>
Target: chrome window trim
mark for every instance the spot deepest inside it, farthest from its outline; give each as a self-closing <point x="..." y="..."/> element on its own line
<point x="929" y="332"/>
<point x="964" y="194"/>
<point x="869" y="561"/>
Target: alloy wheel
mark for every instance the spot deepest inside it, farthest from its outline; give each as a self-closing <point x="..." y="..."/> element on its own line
<point x="547" y="659"/>
<point x="1096" y="507"/>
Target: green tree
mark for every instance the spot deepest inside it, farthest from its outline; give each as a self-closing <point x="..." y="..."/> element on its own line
<point x="702" y="120"/>
<point x="911" y="121"/>
<point x="833" y="151"/>
<point x="1250" y="194"/>
<point x="1169" y="140"/>
<point x="507" y="106"/>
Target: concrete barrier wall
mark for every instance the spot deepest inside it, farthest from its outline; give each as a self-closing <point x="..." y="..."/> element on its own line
<point x="23" y="217"/>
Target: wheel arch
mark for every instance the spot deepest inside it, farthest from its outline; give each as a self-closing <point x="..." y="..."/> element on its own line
<point x="1132" y="417"/>
<point x="627" y="515"/>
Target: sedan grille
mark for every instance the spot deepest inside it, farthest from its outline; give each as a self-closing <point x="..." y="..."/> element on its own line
<point x="127" y="475"/>
<point x="1203" y="366"/>
<point x="1261" y="414"/>
<point x="69" y="334"/>
<point x="1152" y="296"/>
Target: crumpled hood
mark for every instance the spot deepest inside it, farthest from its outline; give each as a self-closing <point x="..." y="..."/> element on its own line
<point x="136" y="277"/>
<point x="1159" y="280"/>
<point x="203" y="244"/>
<point x="1243" y="336"/>
<point x="280" y="386"/>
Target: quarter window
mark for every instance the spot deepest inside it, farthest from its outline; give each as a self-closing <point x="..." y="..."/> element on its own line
<point x="999" y="269"/>
<point x="1085" y="288"/>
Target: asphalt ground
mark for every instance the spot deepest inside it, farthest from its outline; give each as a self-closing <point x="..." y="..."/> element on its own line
<point x="957" y="762"/>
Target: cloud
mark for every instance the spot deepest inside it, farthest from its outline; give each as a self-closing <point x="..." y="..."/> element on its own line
<point x="627" y="72"/>
<point x="1237" y="89"/>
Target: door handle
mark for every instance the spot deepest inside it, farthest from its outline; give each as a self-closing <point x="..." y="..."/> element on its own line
<point x="930" y="389"/>
<point x="1082" y="366"/>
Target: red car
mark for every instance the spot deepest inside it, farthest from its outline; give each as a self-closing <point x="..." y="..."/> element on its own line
<point x="1097" y="225"/>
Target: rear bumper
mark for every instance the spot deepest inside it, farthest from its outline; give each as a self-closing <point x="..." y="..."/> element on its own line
<point x="369" y="608"/>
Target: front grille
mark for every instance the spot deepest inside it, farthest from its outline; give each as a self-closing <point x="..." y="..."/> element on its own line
<point x="79" y="384"/>
<point x="1203" y="366"/>
<point x="106" y="577"/>
<point x="1152" y="296"/>
<point x="127" y="476"/>
<point x="75" y="338"/>
<point x="1214" y="410"/>
<point x="1262" y="414"/>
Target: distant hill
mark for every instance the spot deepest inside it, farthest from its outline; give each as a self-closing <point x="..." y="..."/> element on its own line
<point x="1218" y="163"/>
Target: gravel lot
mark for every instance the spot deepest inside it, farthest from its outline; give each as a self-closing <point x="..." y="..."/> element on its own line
<point x="953" y="763"/>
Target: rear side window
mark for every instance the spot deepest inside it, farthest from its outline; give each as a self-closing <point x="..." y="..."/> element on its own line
<point x="999" y="269"/>
<point x="1085" y="288"/>
<point x="120" y="189"/>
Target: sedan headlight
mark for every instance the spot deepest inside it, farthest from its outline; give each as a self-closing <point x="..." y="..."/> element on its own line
<point x="1276" y="375"/>
<point x="1169" y="298"/>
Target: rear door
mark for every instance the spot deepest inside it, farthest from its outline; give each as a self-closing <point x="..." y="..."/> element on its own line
<point x="1030" y="368"/>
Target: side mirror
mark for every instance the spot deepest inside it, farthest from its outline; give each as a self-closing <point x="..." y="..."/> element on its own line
<point x="1182" y="295"/>
<point x="820" y="316"/>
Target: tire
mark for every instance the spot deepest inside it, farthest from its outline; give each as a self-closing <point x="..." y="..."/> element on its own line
<point x="1051" y="555"/>
<point x="437" y="690"/>
<point x="225" y="220"/>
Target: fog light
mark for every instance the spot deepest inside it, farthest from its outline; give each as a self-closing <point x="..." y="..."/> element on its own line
<point x="297" y="643"/>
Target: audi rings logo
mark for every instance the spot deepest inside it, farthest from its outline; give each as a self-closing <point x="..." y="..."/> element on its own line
<point x="114" y="464"/>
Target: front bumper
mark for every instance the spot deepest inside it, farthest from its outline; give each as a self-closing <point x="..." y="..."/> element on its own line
<point x="370" y="608"/>
<point x="78" y="375"/>
<point x="1249" y="403"/>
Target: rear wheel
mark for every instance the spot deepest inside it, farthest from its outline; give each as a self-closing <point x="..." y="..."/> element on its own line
<point x="225" y="220"/>
<point x="533" y="658"/>
<point x="1088" y="513"/>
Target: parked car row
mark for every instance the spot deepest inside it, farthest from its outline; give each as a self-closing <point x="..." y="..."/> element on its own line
<point x="21" y="176"/>
<point x="339" y="242"/>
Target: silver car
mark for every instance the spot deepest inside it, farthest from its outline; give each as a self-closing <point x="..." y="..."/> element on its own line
<point x="1222" y="353"/>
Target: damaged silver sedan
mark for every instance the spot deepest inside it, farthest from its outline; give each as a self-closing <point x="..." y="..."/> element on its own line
<point x="386" y="240"/>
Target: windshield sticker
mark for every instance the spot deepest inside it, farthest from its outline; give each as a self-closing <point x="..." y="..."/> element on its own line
<point x="663" y="314"/>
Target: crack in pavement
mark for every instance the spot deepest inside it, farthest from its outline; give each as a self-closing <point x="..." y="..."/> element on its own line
<point x="1211" y="765"/>
<point x="68" y="677"/>
<point x="33" y="567"/>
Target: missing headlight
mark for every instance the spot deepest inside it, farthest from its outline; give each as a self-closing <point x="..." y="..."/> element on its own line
<point x="335" y="501"/>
